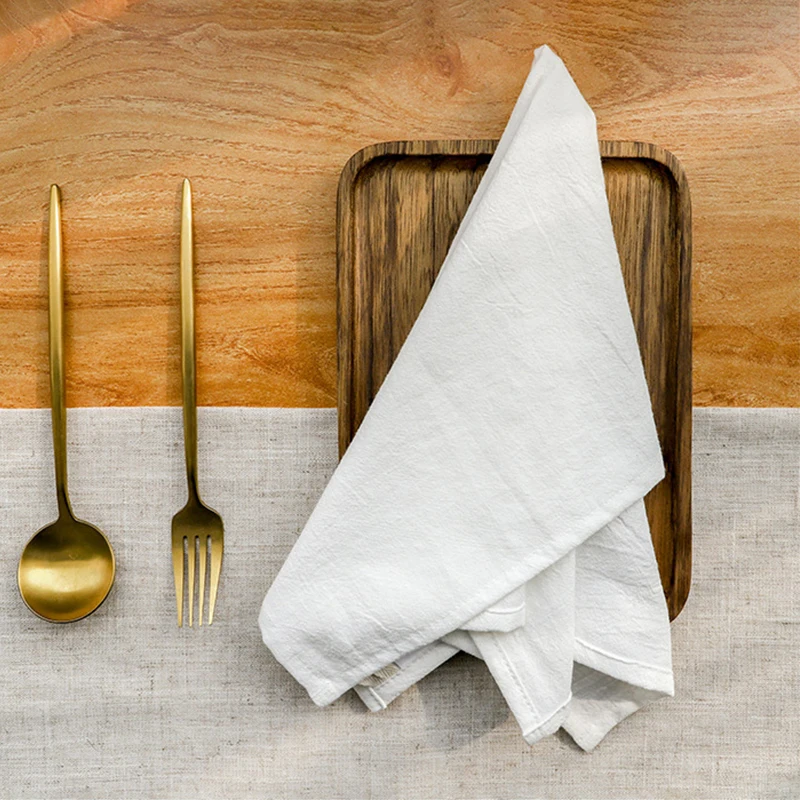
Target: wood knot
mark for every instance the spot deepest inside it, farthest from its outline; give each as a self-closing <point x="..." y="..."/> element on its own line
<point x="447" y="63"/>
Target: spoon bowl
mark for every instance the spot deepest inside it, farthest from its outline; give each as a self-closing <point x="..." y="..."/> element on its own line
<point x="66" y="570"/>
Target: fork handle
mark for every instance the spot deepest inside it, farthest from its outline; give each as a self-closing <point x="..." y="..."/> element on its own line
<point x="55" y="299"/>
<point x="188" y="364"/>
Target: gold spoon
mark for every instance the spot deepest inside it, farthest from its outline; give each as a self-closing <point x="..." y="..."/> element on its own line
<point x="67" y="568"/>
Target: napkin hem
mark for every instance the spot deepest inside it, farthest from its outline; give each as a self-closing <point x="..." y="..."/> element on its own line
<point x="550" y="725"/>
<point x="501" y="611"/>
<point x="603" y="654"/>
<point x="508" y="658"/>
<point x="651" y="677"/>
<point x="377" y="698"/>
<point x="600" y="703"/>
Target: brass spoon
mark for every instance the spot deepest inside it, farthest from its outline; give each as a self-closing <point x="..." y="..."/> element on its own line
<point x="67" y="568"/>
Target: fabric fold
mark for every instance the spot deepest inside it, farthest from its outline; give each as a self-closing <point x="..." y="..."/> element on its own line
<point x="491" y="500"/>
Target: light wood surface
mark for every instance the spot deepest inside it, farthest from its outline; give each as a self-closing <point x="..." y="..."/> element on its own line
<point x="399" y="206"/>
<point x="262" y="104"/>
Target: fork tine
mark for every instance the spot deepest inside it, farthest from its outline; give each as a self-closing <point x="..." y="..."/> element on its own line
<point x="177" y="568"/>
<point x="192" y="555"/>
<point x="216" y="566"/>
<point x="201" y="578"/>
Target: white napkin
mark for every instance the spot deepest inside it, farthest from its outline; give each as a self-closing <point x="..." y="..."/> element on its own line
<point x="491" y="500"/>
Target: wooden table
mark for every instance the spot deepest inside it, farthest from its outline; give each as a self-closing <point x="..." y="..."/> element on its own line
<point x="261" y="104"/>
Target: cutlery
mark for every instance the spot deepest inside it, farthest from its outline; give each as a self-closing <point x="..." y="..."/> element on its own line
<point x="197" y="531"/>
<point x="66" y="570"/>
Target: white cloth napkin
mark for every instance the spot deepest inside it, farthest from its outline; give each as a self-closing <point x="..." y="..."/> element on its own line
<point x="491" y="500"/>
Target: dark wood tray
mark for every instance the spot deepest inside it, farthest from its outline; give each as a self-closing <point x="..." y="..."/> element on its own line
<point x="399" y="206"/>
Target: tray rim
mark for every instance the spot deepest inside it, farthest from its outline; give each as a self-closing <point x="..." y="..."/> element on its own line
<point x="680" y="580"/>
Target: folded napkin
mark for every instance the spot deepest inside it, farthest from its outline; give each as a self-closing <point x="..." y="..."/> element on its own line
<point x="491" y="500"/>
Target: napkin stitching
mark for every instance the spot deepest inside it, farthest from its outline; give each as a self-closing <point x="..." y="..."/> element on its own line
<point x="620" y="659"/>
<point x="402" y="669"/>
<point x="544" y="723"/>
<point x="395" y="685"/>
<point x="372" y="691"/>
<point x="515" y="677"/>
<point x="516" y="610"/>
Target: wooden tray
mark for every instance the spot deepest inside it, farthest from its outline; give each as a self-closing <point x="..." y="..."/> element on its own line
<point x="399" y="206"/>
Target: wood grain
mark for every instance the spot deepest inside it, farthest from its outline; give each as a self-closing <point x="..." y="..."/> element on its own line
<point x="399" y="206"/>
<point x="262" y="102"/>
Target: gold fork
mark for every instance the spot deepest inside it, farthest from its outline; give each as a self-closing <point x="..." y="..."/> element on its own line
<point x="196" y="529"/>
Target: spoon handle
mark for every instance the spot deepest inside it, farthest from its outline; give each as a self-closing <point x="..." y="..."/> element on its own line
<point x="56" y="319"/>
<point x="188" y="369"/>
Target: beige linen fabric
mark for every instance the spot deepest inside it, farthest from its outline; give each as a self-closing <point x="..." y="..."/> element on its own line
<point x="125" y="705"/>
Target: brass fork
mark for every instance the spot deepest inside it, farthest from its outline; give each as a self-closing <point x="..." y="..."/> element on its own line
<point x="196" y="529"/>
